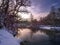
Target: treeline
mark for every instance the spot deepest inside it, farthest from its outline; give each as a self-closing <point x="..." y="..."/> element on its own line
<point x="53" y="17"/>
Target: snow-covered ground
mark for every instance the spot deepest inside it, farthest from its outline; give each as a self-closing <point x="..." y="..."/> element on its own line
<point x="50" y="28"/>
<point x="6" y="38"/>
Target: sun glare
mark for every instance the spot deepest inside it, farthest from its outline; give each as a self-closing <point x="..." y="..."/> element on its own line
<point x="25" y="16"/>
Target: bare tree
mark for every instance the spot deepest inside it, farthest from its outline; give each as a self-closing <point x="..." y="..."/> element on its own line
<point x="8" y="12"/>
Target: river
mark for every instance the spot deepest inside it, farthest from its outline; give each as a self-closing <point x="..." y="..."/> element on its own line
<point x="37" y="38"/>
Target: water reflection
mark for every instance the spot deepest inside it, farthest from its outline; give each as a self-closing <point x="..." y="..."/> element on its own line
<point x="24" y="34"/>
<point x="29" y="35"/>
<point x="34" y="38"/>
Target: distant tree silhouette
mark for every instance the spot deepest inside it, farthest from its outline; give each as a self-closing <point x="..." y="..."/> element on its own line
<point x="53" y="18"/>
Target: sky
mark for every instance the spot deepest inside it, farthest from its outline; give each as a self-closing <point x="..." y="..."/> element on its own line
<point x="41" y="8"/>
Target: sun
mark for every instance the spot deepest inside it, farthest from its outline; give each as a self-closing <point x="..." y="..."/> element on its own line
<point x="25" y="16"/>
<point x="24" y="13"/>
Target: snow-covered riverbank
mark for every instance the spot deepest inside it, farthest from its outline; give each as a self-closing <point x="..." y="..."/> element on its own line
<point x="6" y="38"/>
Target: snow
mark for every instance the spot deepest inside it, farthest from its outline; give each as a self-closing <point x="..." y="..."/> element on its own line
<point x="45" y="27"/>
<point x="6" y="38"/>
<point x="50" y="28"/>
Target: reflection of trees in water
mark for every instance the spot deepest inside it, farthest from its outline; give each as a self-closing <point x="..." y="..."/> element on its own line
<point x="28" y="35"/>
<point x="50" y="33"/>
<point x="38" y="37"/>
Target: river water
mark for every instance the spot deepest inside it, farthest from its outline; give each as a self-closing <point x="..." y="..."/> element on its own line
<point x="37" y="38"/>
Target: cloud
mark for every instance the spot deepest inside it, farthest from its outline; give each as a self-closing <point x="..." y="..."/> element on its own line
<point x="54" y="4"/>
